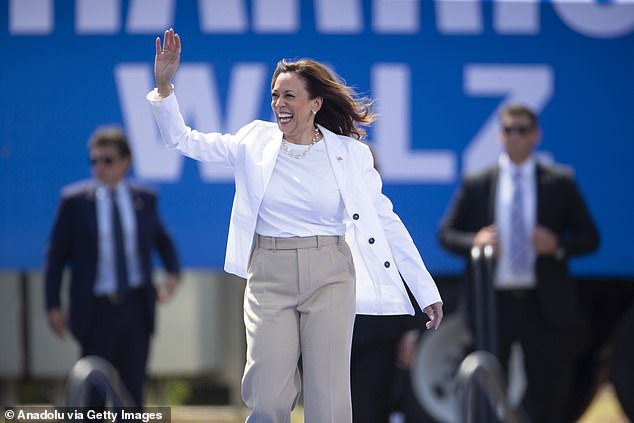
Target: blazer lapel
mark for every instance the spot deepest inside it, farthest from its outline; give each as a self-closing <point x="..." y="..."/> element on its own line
<point x="269" y="156"/>
<point x="91" y="214"/>
<point x="493" y="192"/>
<point x="540" y="182"/>
<point x="138" y="207"/>
<point x="337" y="158"/>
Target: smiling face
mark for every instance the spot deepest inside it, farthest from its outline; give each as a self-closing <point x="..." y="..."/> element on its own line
<point x="294" y="109"/>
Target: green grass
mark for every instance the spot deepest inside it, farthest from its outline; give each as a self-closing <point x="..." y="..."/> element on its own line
<point x="605" y="408"/>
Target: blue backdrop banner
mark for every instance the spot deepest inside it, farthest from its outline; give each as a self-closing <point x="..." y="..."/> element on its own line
<point x="438" y="69"/>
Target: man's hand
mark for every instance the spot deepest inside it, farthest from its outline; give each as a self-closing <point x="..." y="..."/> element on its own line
<point x="166" y="291"/>
<point x="406" y="351"/>
<point x="434" y="312"/>
<point x="545" y="241"/>
<point x="57" y="322"/>
<point x="487" y="236"/>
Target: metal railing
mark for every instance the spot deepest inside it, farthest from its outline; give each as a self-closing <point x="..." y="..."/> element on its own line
<point x="484" y="298"/>
<point x="481" y="369"/>
<point x="484" y="316"/>
<point x="92" y="371"/>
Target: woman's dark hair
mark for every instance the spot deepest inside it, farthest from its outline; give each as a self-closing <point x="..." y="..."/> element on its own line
<point x="343" y="111"/>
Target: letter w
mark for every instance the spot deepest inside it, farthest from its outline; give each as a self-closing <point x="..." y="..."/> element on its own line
<point x="200" y="105"/>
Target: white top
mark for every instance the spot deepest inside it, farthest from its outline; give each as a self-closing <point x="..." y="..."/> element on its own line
<point x="106" y="282"/>
<point x="505" y="277"/>
<point x="302" y="197"/>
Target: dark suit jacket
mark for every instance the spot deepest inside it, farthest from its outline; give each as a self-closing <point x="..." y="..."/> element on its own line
<point x="560" y="208"/>
<point x="74" y="242"/>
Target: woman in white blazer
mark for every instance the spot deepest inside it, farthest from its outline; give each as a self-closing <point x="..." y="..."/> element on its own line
<point x="310" y="230"/>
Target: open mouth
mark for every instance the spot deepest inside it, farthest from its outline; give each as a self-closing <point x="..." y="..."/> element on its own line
<point x="284" y="117"/>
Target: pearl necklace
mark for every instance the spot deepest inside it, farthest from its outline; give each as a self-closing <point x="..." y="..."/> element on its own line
<point x="316" y="137"/>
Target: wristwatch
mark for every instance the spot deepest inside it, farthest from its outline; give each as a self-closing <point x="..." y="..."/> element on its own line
<point x="560" y="253"/>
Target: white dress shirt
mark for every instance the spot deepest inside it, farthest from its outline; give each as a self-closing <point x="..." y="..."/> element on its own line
<point x="106" y="282"/>
<point x="505" y="277"/>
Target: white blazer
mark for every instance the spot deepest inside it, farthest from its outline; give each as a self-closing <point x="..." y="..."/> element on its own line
<point x="381" y="246"/>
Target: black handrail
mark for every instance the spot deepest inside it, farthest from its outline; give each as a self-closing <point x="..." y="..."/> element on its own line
<point x="95" y="371"/>
<point x="491" y="304"/>
<point x="481" y="369"/>
<point x="478" y="307"/>
<point x="484" y="315"/>
<point x="482" y="264"/>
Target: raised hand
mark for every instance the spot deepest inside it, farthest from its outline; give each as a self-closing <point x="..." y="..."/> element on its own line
<point x="166" y="61"/>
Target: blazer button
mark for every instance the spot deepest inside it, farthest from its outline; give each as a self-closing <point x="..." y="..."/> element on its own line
<point x="371" y="240"/>
<point x="386" y="264"/>
<point x="355" y="216"/>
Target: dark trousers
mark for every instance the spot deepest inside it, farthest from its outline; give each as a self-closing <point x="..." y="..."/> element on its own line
<point x="373" y="374"/>
<point x="548" y="353"/>
<point x="622" y="365"/>
<point x="376" y="382"/>
<point x="119" y="334"/>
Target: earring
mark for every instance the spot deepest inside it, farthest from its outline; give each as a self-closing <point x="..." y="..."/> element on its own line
<point x="314" y="112"/>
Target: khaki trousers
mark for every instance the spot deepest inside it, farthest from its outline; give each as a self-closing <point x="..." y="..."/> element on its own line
<point x="299" y="299"/>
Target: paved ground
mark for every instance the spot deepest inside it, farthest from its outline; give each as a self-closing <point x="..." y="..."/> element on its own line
<point x="604" y="409"/>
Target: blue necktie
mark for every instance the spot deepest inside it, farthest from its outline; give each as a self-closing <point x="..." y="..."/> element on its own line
<point x="121" y="267"/>
<point x="520" y="240"/>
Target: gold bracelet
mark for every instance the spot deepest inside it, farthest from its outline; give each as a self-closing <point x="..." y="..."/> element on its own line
<point x="170" y="93"/>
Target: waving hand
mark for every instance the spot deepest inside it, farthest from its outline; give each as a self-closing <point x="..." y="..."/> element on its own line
<point x="166" y="61"/>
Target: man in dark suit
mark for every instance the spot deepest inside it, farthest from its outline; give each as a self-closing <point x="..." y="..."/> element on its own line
<point x="105" y="231"/>
<point x="535" y="217"/>
<point x="375" y="365"/>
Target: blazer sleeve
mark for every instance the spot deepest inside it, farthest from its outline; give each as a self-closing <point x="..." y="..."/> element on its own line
<point x="213" y="147"/>
<point x="58" y="252"/>
<point x="408" y="260"/>
<point x="455" y="233"/>
<point x="581" y="235"/>
<point x="163" y="243"/>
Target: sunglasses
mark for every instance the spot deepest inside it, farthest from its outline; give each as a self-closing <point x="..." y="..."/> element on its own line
<point x="107" y="160"/>
<point x="519" y="130"/>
